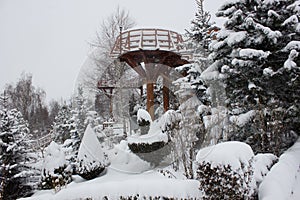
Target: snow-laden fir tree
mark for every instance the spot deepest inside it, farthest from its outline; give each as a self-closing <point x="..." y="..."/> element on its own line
<point x="66" y="133"/>
<point x="15" y="171"/>
<point x="79" y="111"/>
<point x="203" y="30"/>
<point x="63" y="125"/>
<point x="206" y="85"/>
<point x="256" y="55"/>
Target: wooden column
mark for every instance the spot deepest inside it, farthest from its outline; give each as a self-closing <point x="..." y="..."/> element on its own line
<point x="111" y="102"/>
<point x="141" y="89"/>
<point x="166" y="94"/>
<point x="150" y="99"/>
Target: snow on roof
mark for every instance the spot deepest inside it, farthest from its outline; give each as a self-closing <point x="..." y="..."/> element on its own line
<point x="227" y="153"/>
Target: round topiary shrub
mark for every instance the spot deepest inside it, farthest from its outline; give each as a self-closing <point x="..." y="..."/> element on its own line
<point x="223" y="182"/>
<point x="225" y="171"/>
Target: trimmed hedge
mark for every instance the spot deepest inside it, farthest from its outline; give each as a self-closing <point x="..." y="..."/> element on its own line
<point x="222" y="182"/>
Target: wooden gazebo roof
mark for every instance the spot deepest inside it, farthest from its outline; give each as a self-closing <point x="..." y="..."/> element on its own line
<point x="149" y="39"/>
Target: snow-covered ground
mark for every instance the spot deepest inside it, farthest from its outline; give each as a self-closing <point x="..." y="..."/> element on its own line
<point x="283" y="181"/>
<point x="115" y="184"/>
<point x="127" y="175"/>
<point x="130" y="176"/>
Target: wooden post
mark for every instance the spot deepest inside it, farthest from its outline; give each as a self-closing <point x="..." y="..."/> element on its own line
<point x="141" y="89"/>
<point x="150" y="98"/>
<point x="166" y="94"/>
<point x="111" y="103"/>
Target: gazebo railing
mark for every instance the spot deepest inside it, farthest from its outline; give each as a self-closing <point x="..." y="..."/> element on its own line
<point x="147" y="39"/>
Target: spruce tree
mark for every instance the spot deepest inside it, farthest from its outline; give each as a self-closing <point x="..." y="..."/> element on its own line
<point x="79" y="111"/>
<point x="66" y="133"/>
<point x="256" y="55"/>
<point x="15" y="171"/>
<point x="62" y="126"/>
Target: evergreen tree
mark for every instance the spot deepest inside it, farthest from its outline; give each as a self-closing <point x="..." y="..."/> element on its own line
<point x="80" y="111"/>
<point x="256" y="56"/>
<point x="199" y="81"/>
<point x="63" y="126"/>
<point x="15" y="171"/>
<point x="66" y="133"/>
<point x="202" y="30"/>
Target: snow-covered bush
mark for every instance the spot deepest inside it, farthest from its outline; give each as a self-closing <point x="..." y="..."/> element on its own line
<point x="143" y="120"/>
<point x="154" y="146"/>
<point x="90" y="170"/>
<point x="91" y="158"/>
<point x="60" y="177"/>
<point x="225" y="171"/>
<point x="56" y="173"/>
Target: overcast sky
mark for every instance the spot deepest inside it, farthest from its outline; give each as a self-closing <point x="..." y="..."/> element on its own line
<point x="49" y="38"/>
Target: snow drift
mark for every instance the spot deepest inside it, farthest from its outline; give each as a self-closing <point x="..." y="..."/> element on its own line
<point x="284" y="176"/>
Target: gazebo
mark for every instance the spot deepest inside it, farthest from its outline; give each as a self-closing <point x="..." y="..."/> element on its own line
<point x="151" y="53"/>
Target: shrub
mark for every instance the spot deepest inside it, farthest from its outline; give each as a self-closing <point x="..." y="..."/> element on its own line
<point x="61" y="177"/>
<point x="91" y="170"/>
<point x="223" y="182"/>
<point x="153" y="153"/>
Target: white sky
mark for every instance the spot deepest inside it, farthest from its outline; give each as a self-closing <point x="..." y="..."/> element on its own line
<point x="49" y="38"/>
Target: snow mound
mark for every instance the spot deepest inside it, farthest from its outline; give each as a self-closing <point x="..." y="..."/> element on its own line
<point x="143" y="115"/>
<point x="156" y="131"/>
<point x="54" y="158"/>
<point x="283" y="181"/>
<point x="90" y="149"/>
<point x="228" y="153"/>
<point x="123" y="160"/>
<point x="262" y="165"/>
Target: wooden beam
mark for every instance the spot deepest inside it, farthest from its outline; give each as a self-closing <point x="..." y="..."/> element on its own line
<point x="166" y="94"/>
<point x="150" y="99"/>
